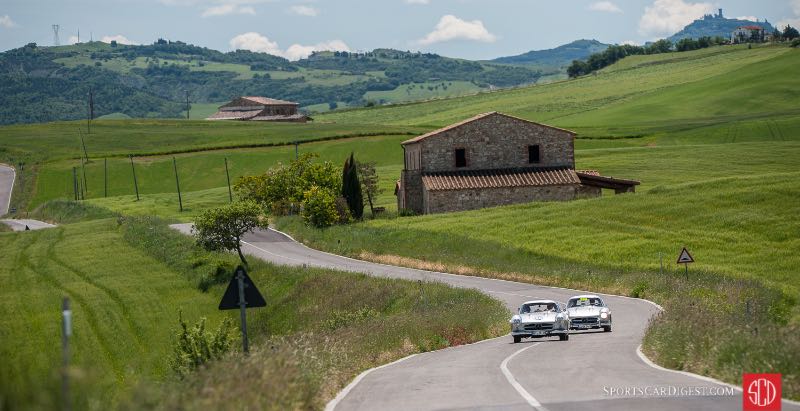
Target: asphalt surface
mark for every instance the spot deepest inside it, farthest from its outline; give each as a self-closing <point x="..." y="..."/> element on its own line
<point x="591" y="371"/>
<point x="21" y="224"/>
<point x="7" y="175"/>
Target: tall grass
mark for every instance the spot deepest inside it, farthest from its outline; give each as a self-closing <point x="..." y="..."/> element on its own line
<point x="128" y="278"/>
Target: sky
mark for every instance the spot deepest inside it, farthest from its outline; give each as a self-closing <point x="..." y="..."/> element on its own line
<point x="471" y="29"/>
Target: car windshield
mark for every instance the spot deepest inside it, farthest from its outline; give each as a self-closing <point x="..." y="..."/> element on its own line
<point x="585" y="302"/>
<point x="538" y="308"/>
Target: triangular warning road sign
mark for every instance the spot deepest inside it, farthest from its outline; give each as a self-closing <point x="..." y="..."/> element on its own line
<point x="252" y="297"/>
<point x="685" y="257"/>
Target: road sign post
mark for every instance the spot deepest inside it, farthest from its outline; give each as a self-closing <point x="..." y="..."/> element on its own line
<point x="242" y="294"/>
<point x="685" y="258"/>
<point x="228" y="176"/>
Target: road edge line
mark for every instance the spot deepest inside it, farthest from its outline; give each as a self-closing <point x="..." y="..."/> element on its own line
<point x="331" y="405"/>
<point x="649" y="362"/>
<point x="530" y="399"/>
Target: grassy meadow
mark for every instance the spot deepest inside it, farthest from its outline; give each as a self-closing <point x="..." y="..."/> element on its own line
<point x="126" y="315"/>
<point x="713" y="134"/>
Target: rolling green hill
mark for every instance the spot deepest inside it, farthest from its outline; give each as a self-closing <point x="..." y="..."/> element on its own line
<point x="557" y="58"/>
<point x="713" y="134"/>
<point x="153" y="80"/>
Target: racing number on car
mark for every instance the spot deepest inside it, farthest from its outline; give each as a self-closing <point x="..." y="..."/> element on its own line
<point x="762" y="392"/>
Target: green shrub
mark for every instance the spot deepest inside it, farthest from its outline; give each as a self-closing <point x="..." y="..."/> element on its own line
<point x="195" y="346"/>
<point x="68" y="211"/>
<point x="796" y="43"/>
<point x="319" y="207"/>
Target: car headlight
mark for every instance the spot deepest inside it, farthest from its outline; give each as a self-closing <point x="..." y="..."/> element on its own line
<point x="604" y="315"/>
<point x="560" y="317"/>
<point x="516" y="319"/>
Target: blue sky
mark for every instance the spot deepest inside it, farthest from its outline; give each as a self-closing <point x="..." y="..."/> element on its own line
<point x="473" y="29"/>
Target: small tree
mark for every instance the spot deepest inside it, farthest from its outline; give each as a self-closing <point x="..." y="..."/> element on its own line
<point x="222" y="228"/>
<point x="369" y="183"/>
<point x="195" y="346"/>
<point x="319" y="207"/>
<point x="351" y="188"/>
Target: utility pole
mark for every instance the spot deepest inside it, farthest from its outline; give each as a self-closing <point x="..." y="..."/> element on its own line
<point x="135" y="184"/>
<point x="105" y="177"/>
<point x="75" y="182"/>
<point x="83" y="144"/>
<point x="177" y="183"/>
<point x="230" y="194"/>
<point x="90" y="113"/>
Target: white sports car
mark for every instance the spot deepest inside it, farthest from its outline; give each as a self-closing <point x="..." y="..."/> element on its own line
<point x="540" y="318"/>
<point x="589" y="312"/>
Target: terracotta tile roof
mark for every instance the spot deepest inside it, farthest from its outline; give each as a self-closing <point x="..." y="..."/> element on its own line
<point x="234" y="115"/>
<point x="476" y="118"/>
<point x="267" y="101"/>
<point x="460" y="180"/>
<point x="278" y="117"/>
<point x="752" y="27"/>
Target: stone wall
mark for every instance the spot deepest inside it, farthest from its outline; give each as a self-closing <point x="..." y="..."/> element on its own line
<point x="584" y="191"/>
<point x="461" y="200"/>
<point x="411" y="190"/>
<point x="493" y="142"/>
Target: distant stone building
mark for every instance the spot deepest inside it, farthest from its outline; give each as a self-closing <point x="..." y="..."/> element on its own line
<point x="494" y="159"/>
<point x="260" y="109"/>
<point x="749" y="34"/>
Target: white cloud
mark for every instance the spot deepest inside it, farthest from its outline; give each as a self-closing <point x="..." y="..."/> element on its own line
<point x="119" y="38"/>
<point x="453" y="28"/>
<point x="418" y="1"/>
<point x="226" y="9"/>
<point x="5" y="21"/>
<point x="630" y="43"/>
<point x="667" y="17"/>
<point x="302" y="10"/>
<point x="605" y="6"/>
<point x="791" y="21"/>
<point x="750" y="18"/>
<point x="72" y="40"/>
<point x="256" y="42"/>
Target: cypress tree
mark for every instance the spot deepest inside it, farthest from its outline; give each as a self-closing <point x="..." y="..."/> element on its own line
<point x="351" y="188"/>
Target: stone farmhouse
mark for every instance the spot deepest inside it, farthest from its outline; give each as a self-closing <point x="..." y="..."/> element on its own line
<point x="260" y="109"/>
<point x="495" y="159"/>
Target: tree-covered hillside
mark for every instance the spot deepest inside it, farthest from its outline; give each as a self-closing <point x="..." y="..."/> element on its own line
<point x="558" y="57"/>
<point x="52" y="83"/>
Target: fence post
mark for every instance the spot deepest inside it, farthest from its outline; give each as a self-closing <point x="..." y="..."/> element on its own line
<point x="105" y="177"/>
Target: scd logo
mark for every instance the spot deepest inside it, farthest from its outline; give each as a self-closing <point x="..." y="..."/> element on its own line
<point x="762" y="392"/>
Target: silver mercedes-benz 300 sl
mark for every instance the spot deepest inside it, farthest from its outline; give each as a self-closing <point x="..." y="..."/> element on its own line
<point x="589" y="312"/>
<point x="540" y="318"/>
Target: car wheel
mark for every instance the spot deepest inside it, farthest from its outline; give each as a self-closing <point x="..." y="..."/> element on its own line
<point x="517" y="338"/>
<point x="563" y="337"/>
<point x="607" y="329"/>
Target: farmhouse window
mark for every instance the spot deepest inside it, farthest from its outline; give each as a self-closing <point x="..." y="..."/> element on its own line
<point x="533" y="154"/>
<point x="461" y="157"/>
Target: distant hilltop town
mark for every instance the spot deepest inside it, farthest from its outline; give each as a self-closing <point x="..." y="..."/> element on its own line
<point x="716" y="25"/>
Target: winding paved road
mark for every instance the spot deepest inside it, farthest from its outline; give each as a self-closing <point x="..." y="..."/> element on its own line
<point x="591" y="371"/>
<point x="7" y="176"/>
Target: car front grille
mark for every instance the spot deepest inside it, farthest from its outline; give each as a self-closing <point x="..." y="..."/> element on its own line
<point x="585" y="320"/>
<point x="538" y="326"/>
